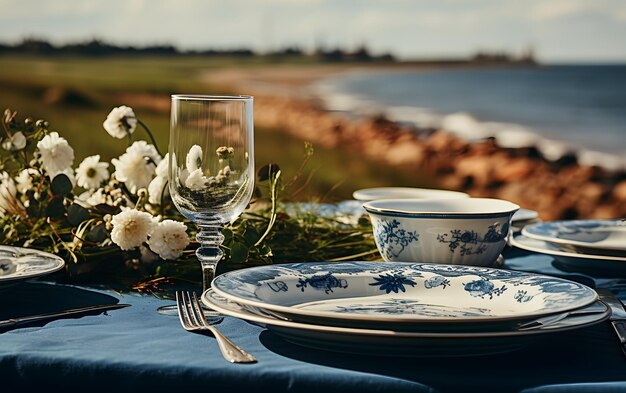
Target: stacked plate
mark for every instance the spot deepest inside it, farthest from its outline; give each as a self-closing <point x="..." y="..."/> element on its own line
<point x="584" y="245"/>
<point x="397" y="308"/>
<point x="19" y="264"/>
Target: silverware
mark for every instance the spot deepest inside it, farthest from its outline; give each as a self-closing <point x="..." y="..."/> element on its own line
<point x="550" y="319"/>
<point x="618" y="315"/>
<point x="192" y="319"/>
<point x="54" y="315"/>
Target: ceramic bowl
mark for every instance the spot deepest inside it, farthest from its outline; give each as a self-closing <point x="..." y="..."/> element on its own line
<point x="371" y="194"/>
<point x="470" y="231"/>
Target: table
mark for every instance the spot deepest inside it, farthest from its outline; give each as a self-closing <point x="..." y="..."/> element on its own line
<point x="136" y="349"/>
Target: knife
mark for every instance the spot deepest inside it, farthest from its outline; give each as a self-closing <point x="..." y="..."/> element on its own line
<point x="65" y="313"/>
<point x="618" y="315"/>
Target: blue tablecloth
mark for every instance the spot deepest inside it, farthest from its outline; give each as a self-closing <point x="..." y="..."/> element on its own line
<point x="136" y="349"/>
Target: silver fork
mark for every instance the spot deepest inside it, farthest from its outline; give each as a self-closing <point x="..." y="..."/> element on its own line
<point x="192" y="319"/>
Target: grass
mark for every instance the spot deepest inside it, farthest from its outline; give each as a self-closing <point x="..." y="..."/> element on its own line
<point x="74" y="94"/>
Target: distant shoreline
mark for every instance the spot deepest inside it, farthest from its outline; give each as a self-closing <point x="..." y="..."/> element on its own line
<point x="561" y="188"/>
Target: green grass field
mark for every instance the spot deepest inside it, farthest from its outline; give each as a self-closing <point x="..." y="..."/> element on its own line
<point x="75" y="94"/>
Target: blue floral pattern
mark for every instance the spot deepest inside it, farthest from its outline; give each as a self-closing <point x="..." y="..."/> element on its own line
<point x="481" y="288"/>
<point x="393" y="239"/>
<point x="407" y="306"/>
<point x="469" y="242"/>
<point x="436" y="281"/>
<point x="303" y="283"/>
<point x="393" y="282"/>
<point x="522" y="296"/>
<point x="326" y="282"/>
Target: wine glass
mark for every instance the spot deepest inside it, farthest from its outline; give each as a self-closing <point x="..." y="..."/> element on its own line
<point x="211" y="167"/>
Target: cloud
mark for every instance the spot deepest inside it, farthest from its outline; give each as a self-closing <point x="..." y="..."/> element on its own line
<point x="555" y="9"/>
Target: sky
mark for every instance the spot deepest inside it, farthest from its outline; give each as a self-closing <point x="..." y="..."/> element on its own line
<point x="559" y="30"/>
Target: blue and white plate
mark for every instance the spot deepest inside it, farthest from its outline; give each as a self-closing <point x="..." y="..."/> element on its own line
<point x="400" y="292"/>
<point x="18" y="264"/>
<point x="572" y="260"/>
<point x="524" y="215"/>
<point x="604" y="237"/>
<point x="401" y="343"/>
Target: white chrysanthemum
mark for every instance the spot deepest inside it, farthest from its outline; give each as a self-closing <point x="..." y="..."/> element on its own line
<point x="24" y="180"/>
<point x="169" y="239"/>
<point x="131" y="228"/>
<point x="163" y="167"/>
<point x="120" y="122"/>
<point x="137" y="166"/>
<point x="91" y="172"/>
<point x="15" y="142"/>
<point x="56" y="154"/>
<point x="9" y="204"/>
<point x="196" y="180"/>
<point x="194" y="158"/>
<point x="156" y="188"/>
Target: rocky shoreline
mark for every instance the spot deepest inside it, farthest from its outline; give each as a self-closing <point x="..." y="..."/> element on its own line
<point x="562" y="189"/>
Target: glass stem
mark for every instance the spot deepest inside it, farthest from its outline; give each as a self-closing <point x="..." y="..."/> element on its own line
<point x="210" y="238"/>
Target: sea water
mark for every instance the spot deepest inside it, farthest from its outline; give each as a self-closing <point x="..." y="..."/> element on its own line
<point x="559" y="109"/>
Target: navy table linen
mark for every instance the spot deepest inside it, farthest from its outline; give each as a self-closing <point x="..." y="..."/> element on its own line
<point x="137" y="349"/>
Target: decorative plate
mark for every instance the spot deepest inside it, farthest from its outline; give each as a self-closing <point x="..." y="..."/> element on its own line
<point x="18" y="264"/>
<point x="524" y="215"/>
<point x="400" y="292"/>
<point x="370" y="194"/>
<point x="414" y="343"/>
<point x="582" y="235"/>
<point x="588" y="263"/>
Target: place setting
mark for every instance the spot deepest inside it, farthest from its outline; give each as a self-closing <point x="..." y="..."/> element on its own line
<point x="595" y="247"/>
<point x="456" y="304"/>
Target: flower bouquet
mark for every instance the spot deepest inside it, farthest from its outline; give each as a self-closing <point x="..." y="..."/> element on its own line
<point x="98" y="212"/>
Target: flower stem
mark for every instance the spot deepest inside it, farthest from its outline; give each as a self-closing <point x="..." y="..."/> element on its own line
<point x="145" y="127"/>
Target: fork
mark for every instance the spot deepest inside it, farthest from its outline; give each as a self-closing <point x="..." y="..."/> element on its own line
<point x="192" y="319"/>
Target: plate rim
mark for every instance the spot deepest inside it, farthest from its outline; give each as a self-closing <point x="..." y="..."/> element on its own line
<point x="8" y="279"/>
<point x="513" y="241"/>
<point x="556" y="240"/>
<point x="368" y="332"/>
<point x="366" y="317"/>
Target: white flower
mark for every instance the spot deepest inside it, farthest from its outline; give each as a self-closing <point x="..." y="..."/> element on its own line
<point x="9" y="204"/>
<point x="131" y="228"/>
<point x="24" y="180"/>
<point x="169" y="239"/>
<point x="91" y="172"/>
<point x="99" y="197"/>
<point x="56" y="154"/>
<point x="194" y="158"/>
<point x="196" y="180"/>
<point x="156" y="189"/>
<point x="163" y="167"/>
<point x="120" y="122"/>
<point x="15" y="142"/>
<point x="137" y="166"/>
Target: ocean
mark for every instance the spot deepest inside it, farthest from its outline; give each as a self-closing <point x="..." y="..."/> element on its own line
<point x="559" y="109"/>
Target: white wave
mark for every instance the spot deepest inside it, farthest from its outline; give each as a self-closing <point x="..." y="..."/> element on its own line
<point x="469" y="128"/>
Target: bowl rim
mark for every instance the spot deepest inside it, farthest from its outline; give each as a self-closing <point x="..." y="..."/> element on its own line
<point x="371" y="207"/>
<point x="429" y="193"/>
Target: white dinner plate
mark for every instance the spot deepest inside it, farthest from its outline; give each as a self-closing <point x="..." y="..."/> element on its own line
<point x="370" y="194"/>
<point x="390" y="342"/>
<point x="17" y="264"/>
<point x="586" y="263"/>
<point x="603" y="237"/>
<point x="524" y="215"/>
<point x="398" y="292"/>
